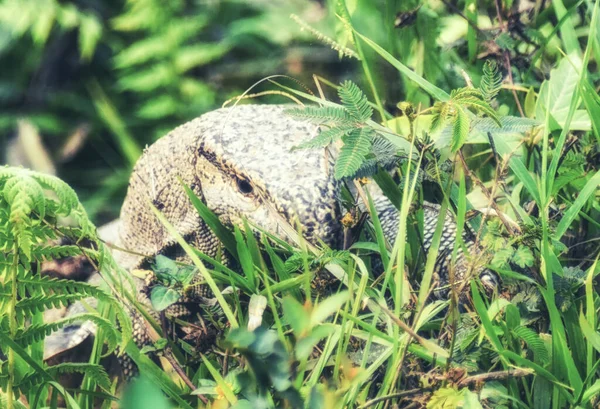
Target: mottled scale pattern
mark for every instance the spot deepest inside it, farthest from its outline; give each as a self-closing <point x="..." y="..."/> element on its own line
<point x="464" y="263"/>
<point x="215" y="153"/>
<point x="241" y="162"/>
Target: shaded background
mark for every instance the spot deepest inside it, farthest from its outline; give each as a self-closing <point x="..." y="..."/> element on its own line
<point x="85" y="85"/>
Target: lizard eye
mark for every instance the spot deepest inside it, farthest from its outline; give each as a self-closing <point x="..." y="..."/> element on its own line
<point x="244" y="186"/>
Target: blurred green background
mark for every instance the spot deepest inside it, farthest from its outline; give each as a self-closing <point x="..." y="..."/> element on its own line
<point x="85" y="85"/>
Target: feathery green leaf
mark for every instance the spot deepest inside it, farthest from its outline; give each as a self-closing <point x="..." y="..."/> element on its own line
<point x="356" y="147"/>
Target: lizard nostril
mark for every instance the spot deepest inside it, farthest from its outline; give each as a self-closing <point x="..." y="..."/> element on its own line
<point x="244" y="186"/>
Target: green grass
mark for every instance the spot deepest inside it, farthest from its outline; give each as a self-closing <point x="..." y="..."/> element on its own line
<point x="363" y="340"/>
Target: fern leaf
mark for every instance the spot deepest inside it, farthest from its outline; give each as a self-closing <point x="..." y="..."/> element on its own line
<point x="437" y="120"/>
<point x="326" y="137"/>
<point x="460" y="94"/>
<point x="510" y="124"/>
<point x="67" y="198"/>
<point x="482" y="106"/>
<point x="24" y="195"/>
<point x="47" y="285"/>
<point x="491" y="82"/>
<point x="355" y="102"/>
<point x="45" y="253"/>
<point x="25" y="308"/>
<point x="320" y="114"/>
<point x="367" y="169"/>
<point x="460" y="129"/>
<point x="352" y="155"/>
<point x="385" y="151"/>
<point x="36" y="333"/>
<point x="385" y="157"/>
<point x="534" y="343"/>
<point x="94" y="372"/>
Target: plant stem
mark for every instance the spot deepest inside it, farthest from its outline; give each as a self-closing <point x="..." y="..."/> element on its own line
<point x="12" y="319"/>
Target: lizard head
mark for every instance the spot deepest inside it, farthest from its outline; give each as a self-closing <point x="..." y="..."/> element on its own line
<point x="240" y="161"/>
<point x="248" y="168"/>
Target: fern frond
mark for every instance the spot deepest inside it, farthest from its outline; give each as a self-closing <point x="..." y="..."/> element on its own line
<point x="93" y="371"/>
<point x="385" y="151"/>
<point x="49" y="285"/>
<point x="42" y="231"/>
<point x="355" y="102"/>
<point x="437" y="120"/>
<point x="24" y="195"/>
<point x="367" y="169"/>
<point x="320" y="114"/>
<point x="45" y="253"/>
<point x="457" y="95"/>
<point x="38" y="332"/>
<point x="534" y="343"/>
<point x="482" y="106"/>
<point x="510" y="124"/>
<point x="491" y="82"/>
<point x="25" y="308"/>
<point x="352" y="155"/>
<point x="460" y="129"/>
<point x="326" y="137"/>
<point x="386" y="157"/>
<point x="67" y="198"/>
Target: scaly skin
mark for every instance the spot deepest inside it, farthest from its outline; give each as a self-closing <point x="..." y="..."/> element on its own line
<point x="240" y="161"/>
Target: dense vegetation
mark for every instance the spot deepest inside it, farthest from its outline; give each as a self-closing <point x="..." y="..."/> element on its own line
<point x="490" y="108"/>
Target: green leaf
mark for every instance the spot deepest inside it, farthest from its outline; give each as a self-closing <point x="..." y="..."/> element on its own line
<point x="591" y="100"/>
<point x="590" y="334"/>
<point x="591" y="392"/>
<point x="355" y="102"/>
<point x="305" y="345"/>
<point x="534" y="342"/>
<point x="366" y="245"/>
<point x="245" y="258"/>
<point x="589" y="189"/>
<point x="483" y="107"/>
<point x="296" y="316"/>
<point x="491" y="81"/>
<point x="163" y="297"/>
<point x="320" y="114"/>
<point x="90" y="32"/>
<point x="471" y="400"/>
<point x="197" y="55"/>
<point x="352" y="155"/>
<point x="446" y="398"/>
<point x="460" y="129"/>
<point x="165" y="266"/>
<point x="241" y="338"/>
<point x="186" y="274"/>
<point x="431" y="89"/>
<point x="502" y="257"/>
<point x="530" y="103"/>
<point x="328" y="306"/>
<point x="223" y="234"/>
<point x="556" y="94"/>
<point x="326" y="137"/>
<point x="142" y="393"/>
<point x="523" y="257"/>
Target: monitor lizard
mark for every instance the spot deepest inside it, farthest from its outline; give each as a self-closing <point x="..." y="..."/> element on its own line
<point x="241" y="163"/>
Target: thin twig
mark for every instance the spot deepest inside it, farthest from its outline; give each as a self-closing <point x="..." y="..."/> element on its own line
<point x="394" y="396"/>
<point x="510" y="373"/>
<point x="486" y="191"/>
<point x="460" y="13"/>
<point x="169" y="357"/>
<point x="510" y="79"/>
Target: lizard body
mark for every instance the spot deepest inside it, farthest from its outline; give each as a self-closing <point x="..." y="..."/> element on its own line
<point x="241" y="163"/>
